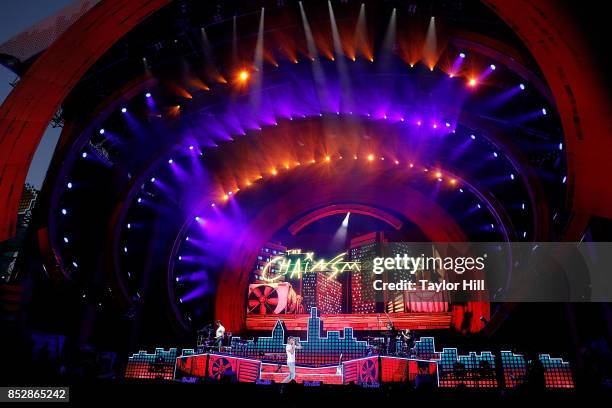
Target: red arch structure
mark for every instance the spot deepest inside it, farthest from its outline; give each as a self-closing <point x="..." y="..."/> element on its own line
<point x="548" y="33"/>
<point x="433" y="221"/>
<point x="26" y="112"/>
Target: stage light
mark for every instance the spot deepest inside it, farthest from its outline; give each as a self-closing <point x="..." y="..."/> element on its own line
<point x="396" y="162"/>
<point x="327" y="158"/>
<point x="212" y="204"/>
<point x="69" y="185"/>
<point x="152" y="179"/>
<point x="494" y="154"/>
<point x="101" y="131"/>
<point x="370" y="157"/>
<point x="435" y="125"/>
<point x="197" y="218"/>
<point x="180" y="258"/>
<point x="564" y="179"/>
<point x="560" y="146"/>
<point x="461" y="190"/>
<point x="472" y="83"/>
<point x="402" y="119"/>
<point x="191" y="147"/>
<point x="66" y="240"/>
<point x="478" y="205"/>
<point x="64" y="211"/>
<point x="411" y="165"/>
<point x="453" y="181"/>
<point x="243" y="75"/>
<point x="274" y="172"/>
<point x="522" y="86"/>
<point x="492" y="66"/>
<point x="419" y="123"/>
<point x="148" y="94"/>
<point x="345" y="221"/>
<point x="511" y="176"/>
<point x="125" y="250"/>
<point x="462" y="55"/>
<point x="447" y="124"/>
<point x="473" y="137"/>
<point x="523" y="206"/>
<point x="129" y="226"/>
<point x="524" y="234"/>
<point x="544" y="112"/>
<point x="492" y="226"/>
<point x="76" y="265"/>
<point x="84" y="155"/>
<point x="438" y="174"/>
<point x="123" y="110"/>
<point x="170" y="161"/>
<point x="225" y="197"/>
<point x="139" y="200"/>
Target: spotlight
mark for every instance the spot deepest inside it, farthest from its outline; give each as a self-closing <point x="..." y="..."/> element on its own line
<point x="472" y="82"/>
<point x="453" y="181"/>
<point x="396" y="162"/>
<point x="139" y="200"/>
<point x="148" y="94"/>
<point x="560" y="146"/>
<point x="327" y="158"/>
<point x="64" y="211"/>
<point x="345" y="221"/>
<point x="473" y="137"/>
<point x="84" y="155"/>
<point x="225" y="197"/>
<point x="180" y="258"/>
<point x="152" y="179"/>
<point x="462" y="55"/>
<point x="76" y="265"/>
<point x="447" y="124"/>
<point x="66" y="240"/>
<point x="274" y="172"/>
<point x="564" y="179"/>
<point x="524" y="234"/>
<point x="123" y="110"/>
<point x="170" y="161"/>
<point x="370" y="157"/>
<point x="125" y="250"/>
<point x="69" y="185"/>
<point x="243" y="75"/>
<point x="191" y="147"/>
<point x="492" y="66"/>
<point x="419" y="123"/>
<point x="511" y="176"/>
<point x="101" y="131"/>
<point x="197" y="218"/>
<point x="435" y="125"/>
<point x="129" y="226"/>
<point x="212" y="204"/>
<point x="438" y="174"/>
<point x="544" y="112"/>
<point x="494" y="154"/>
<point x="523" y="206"/>
<point x="522" y="86"/>
<point x="411" y="165"/>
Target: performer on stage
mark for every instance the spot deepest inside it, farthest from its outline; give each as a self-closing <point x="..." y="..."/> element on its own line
<point x="290" y="349"/>
<point x="219" y="334"/>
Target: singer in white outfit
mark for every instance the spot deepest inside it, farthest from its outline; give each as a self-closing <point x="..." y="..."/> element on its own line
<point x="290" y="349"/>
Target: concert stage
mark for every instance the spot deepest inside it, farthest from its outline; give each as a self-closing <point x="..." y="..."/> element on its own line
<point x="336" y="359"/>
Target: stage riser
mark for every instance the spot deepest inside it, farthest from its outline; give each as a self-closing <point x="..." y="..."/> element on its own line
<point x="369" y="322"/>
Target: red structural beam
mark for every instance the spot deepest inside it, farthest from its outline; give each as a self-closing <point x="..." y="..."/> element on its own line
<point x="26" y="112"/>
<point x="343" y="209"/>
